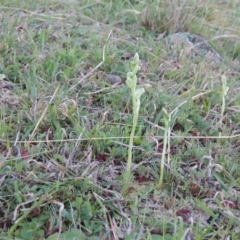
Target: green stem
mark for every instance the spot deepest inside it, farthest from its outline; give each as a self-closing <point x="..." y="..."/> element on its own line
<point x="127" y="177"/>
<point x="167" y="119"/>
<point x="163" y="158"/>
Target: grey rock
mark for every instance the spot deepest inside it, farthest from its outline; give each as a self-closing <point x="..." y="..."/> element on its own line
<point x="113" y="79"/>
<point x="194" y="45"/>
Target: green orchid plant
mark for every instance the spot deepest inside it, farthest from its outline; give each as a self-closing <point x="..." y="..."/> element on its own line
<point x="225" y="89"/>
<point x="136" y="94"/>
<point x="167" y="119"/>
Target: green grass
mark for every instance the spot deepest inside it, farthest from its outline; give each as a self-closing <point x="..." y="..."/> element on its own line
<point x="64" y="129"/>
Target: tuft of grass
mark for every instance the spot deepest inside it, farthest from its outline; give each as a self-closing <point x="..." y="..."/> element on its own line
<point x="168" y="17"/>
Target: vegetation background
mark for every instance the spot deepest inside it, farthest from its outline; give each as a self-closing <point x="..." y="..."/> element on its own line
<point x="66" y="117"/>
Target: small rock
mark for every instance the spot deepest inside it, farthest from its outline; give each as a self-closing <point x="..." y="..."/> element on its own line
<point x="113" y="79"/>
<point x="192" y="43"/>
